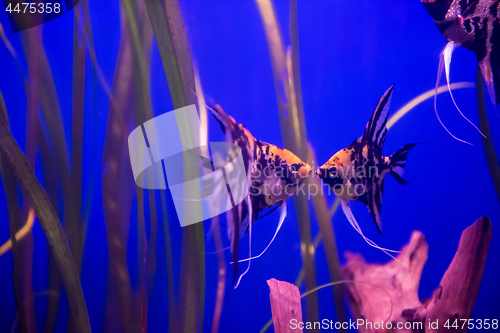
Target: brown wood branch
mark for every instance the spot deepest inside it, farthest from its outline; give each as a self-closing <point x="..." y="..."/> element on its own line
<point x="457" y="292"/>
<point x="453" y="299"/>
<point x="285" y="305"/>
<point x="399" y="278"/>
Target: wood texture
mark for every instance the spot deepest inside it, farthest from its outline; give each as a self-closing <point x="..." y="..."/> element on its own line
<point x="453" y="299"/>
<point x="285" y="305"/>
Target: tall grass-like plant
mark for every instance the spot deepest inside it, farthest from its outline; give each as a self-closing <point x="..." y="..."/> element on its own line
<point x="286" y="72"/>
<point x="489" y="147"/>
<point x="51" y="226"/>
<point x="293" y="132"/>
<point x="170" y="35"/>
<point x="9" y="187"/>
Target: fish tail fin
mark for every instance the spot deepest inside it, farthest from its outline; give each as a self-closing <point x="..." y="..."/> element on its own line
<point x="398" y="162"/>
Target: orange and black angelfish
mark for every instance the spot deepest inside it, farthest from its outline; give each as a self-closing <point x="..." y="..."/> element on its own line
<point x="474" y="25"/>
<point x="274" y="173"/>
<point x="357" y="172"/>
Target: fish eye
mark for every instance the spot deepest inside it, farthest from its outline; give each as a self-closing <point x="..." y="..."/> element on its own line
<point x="332" y="173"/>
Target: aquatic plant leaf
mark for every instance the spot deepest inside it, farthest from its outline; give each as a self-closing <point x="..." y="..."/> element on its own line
<point x="170" y="35"/>
<point x="221" y="279"/>
<point x="489" y="147"/>
<point x="170" y="271"/>
<point x="51" y="226"/>
<point x="14" y="210"/>
<point x="13" y="52"/>
<point x="6" y="41"/>
<point x="293" y="131"/>
<point x="117" y="190"/>
<point x="33" y="135"/>
<point x="141" y="44"/>
<point x="215" y="229"/>
<point x="327" y="234"/>
<point x="423" y="97"/>
<point x="78" y="103"/>
<point x="142" y="306"/>
<point x="140" y="33"/>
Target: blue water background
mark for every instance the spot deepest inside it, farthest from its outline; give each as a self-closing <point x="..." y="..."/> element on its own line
<point x="351" y="51"/>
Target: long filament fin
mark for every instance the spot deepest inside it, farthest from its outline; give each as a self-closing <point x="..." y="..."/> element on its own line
<point x="447" y="53"/>
<point x="440" y="72"/>
<point x="249" y="202"/>
<point x="280" y="224"/>
<point x="350" y="217"/>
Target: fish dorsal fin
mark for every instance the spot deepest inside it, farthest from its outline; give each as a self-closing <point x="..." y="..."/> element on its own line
<point x="376" y="128"/>
<point x="221" y="118"/>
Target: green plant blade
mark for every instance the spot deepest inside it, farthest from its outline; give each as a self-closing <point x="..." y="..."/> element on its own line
<point x="9" y="186"/>
<point x="51" y="226"/>
<point x="294" y="135"/>
<point x="170" y="34"/>
<point x="489" y="147"/>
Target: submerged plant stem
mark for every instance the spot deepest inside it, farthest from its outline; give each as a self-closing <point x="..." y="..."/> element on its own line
<point x="170" y="34"/>
<point x="293" y="130"/>
<point x="20" y="234"/>
<point x="489" y="147"/>
<point x="51" y="226"/>
<point x="9" y="186"/>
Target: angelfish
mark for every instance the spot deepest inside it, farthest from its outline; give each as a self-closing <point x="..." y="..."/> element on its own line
<point x="357" y="172"/>
<point x="274" y="174"/>
<point x="474" y="25"/>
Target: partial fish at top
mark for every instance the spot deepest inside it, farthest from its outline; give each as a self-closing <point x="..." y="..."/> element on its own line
<point x="474" y="25"/>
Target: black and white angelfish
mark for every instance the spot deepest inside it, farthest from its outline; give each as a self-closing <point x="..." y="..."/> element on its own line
<point x="474" y="25"/>
<point x="357" y="172"/>
<point x="274" y="173"/>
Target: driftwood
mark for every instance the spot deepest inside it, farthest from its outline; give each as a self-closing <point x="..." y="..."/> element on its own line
<point x="455" y="297"/>
<point x="285" y="305"/>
